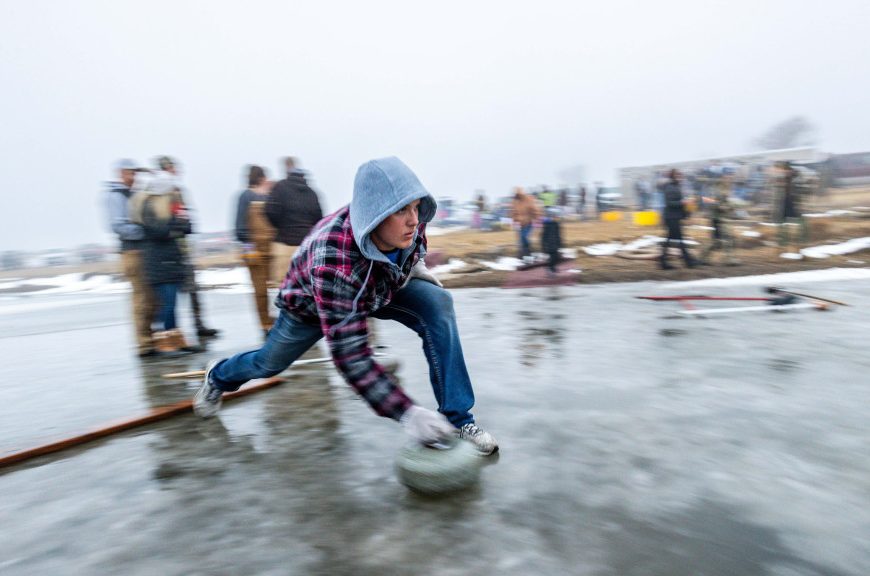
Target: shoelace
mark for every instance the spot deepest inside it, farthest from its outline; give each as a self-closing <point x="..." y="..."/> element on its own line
<point x="471" y="430"/>
<point x="214" y="394"/>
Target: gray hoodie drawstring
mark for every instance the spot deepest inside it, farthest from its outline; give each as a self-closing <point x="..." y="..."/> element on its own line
<point x="355" y="300"/>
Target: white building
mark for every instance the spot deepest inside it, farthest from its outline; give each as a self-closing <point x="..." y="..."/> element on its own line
<point x="629" y="176"/>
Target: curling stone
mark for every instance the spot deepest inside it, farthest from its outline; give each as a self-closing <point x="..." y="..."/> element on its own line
<point x="439" y="470"/>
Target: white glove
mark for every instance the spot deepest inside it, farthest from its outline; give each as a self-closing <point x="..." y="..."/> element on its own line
<point x="420" y="271"/>
<point x="426" y="426"/>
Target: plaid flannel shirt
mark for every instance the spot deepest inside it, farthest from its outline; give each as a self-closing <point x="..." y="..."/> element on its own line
<point x="326" y="276"/>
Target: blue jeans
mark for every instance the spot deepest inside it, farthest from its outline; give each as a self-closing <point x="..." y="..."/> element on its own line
<point x="166" y="294"/>
<point x="525" y="243"/>
<point x="421" y="306"/>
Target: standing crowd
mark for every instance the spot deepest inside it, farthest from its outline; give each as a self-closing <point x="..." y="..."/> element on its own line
<point x="715" y="192"/>
<point x="365" y="260"/>
<point x="148" y="211"/>
<point x="271" y="222"/>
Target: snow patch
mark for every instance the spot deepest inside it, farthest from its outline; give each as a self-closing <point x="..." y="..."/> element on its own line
<point x="824" y="251"/>
<point x="608" y="249"/>
<point x="221" y="277"/>
<point x="611" y="248"/>
<point x="647" y="241"/>
<point x="506" y="263"/>
<point x="72" y="283"/>
<point x="436" y="231"/>
<point x="452" y="265"/>
<point x="831" y="213"/>
<point x="829" y="275"/>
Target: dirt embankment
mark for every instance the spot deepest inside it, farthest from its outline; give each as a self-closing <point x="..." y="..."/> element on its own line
<point x="757" y="252"/>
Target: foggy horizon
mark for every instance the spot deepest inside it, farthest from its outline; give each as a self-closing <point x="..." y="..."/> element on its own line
<point x="472" y="97"/>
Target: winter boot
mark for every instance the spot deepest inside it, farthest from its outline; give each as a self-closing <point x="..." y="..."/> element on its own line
<point x="202" y="330"/>
<point x="165" y="342"/>
<point x="181" y="343"/>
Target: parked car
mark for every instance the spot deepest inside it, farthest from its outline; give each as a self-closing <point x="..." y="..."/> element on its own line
<point x="611" y="199"/>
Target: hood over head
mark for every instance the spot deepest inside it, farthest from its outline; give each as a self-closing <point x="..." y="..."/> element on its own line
<point x="382" y="187"/>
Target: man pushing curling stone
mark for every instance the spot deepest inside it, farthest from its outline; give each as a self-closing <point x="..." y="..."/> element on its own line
<point x="365" y="260"/>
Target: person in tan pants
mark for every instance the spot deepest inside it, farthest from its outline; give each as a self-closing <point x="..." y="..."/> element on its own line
<point x="293" y="209"/>
<point x="131" y="236"/>
<point x="255" y="233"/>
<point x="142" y="299"/>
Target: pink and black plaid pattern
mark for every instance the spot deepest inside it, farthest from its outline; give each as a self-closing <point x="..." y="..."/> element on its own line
<point x="325" y="276"/>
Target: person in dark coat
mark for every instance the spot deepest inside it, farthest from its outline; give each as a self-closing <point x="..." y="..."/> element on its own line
<point x="168" y="169"/>
<point x="164" y="219"/>
<point x="293" y="209"/>
<point x="674" y="213"/>
<point x="789" y="207"/>
<point x="551" y="238"/>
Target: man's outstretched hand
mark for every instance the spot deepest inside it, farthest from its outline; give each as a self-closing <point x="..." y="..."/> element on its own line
<point x="426" y="426"/>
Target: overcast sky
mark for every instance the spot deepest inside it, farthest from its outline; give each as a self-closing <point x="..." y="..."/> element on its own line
<point x="472" y="95"/>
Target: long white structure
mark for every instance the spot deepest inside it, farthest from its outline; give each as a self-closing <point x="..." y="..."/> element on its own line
<point x="628" y="176"/>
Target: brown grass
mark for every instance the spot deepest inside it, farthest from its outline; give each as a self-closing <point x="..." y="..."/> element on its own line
<point x="758" y="256"/>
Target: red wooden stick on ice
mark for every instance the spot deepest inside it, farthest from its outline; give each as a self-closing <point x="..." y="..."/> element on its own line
<point x="161" y="413"/>
<point x="682" y="298"/>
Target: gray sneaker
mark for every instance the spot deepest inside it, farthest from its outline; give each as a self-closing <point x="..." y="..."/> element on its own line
<point x="482" y="440"/>
<point x="207" y="401"/>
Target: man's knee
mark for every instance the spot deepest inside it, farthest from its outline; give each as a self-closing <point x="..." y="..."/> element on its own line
<point x="266" y="370"/>
<point x="266" y="365"/>
<point x="442" y="304"/>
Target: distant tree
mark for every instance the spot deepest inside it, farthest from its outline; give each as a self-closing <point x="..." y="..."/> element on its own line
<point x="790" y="133"/>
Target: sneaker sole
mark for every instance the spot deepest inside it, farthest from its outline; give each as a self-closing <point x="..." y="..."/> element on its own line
<point x="201" y="407"/>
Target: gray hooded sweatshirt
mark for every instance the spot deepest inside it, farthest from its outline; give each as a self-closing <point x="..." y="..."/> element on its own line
<point x="339" y="277"/>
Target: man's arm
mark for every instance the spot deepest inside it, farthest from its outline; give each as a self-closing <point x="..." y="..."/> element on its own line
<point x="242" y="233"/>
<point x="317" y="210"/>
<point x="119" y="219"/>
<point x="347" y="336"/>
<point x="276" y="208"/>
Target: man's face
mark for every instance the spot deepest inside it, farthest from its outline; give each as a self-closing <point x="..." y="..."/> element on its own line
<point x="127" y="177"/>
<point x="397" y="231"/>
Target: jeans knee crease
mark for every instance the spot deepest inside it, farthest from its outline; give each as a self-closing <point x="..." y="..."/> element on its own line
<point x="430" y="345"/>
